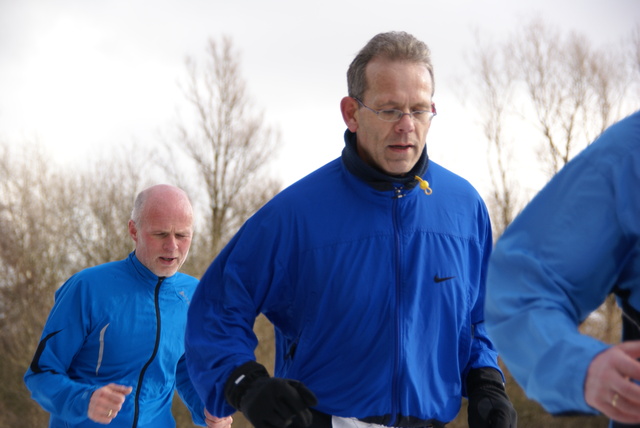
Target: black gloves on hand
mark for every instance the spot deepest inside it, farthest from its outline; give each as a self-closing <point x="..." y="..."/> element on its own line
<point x="269" y="402"/>
<point x="489" y="406"/>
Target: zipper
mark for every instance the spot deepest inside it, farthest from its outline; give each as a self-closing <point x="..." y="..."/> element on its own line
<point x="153" y="354"/>
<point x="395" y="398"/>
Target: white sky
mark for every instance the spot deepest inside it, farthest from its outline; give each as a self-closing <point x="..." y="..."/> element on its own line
<point x="83" y="75"/>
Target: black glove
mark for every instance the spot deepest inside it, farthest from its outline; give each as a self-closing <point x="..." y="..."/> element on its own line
<point x="269" y="402"/>
<point x="489" y="406"/>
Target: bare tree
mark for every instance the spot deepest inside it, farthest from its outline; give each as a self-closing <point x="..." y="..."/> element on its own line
<point x="573" y="89"/>
<point x="102" y="194"/>
<point x="494" y="81"/>
<point x="557" y="92"/>
<point x="28" y="275"/>
<point x="228" y="147"/>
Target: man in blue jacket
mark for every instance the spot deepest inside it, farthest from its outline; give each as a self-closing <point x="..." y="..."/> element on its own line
<point x="372" y="271"/>
<point x="112" y="349"/>
<point x="575" y="243"/>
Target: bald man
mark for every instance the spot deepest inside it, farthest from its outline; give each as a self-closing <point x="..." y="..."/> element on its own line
<point x="112" y="350"/>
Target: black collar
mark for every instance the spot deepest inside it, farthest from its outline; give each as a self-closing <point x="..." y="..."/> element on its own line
<point x="373" y="176"/>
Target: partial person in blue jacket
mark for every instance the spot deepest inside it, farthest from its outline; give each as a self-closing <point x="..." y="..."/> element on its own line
<point x="112" y="349"/>
<point x="576" y="242"/>
<point x="372" y="270"/>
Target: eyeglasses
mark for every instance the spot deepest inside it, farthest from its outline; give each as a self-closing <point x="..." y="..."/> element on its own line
<point x="394" y="115"/>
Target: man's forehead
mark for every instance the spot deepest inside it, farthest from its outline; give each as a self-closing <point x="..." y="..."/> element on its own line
<point x="168" y="225"/>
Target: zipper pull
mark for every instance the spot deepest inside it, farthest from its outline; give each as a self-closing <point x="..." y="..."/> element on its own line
<point x="424" y="185"/>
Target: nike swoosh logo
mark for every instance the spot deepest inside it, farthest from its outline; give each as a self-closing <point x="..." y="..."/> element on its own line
<point x="437" y="279"/>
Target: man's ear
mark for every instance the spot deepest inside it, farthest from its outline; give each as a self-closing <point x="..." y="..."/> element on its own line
<point x="349" y="109"/>
<point x="133" y="231"/>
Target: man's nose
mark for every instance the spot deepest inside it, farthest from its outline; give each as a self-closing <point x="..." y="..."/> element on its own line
<point x="405" y="124"/>
<point x="170" y="243"/>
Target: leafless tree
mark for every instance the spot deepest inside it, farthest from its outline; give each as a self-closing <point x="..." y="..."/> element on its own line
<point x="27" y="275"/>
<point x="102" y="194"/>
<point x="552" y="90"/>
<point x="227" y="145"/>
<point x="573" y="89"/>
<point x="494" y="80"/>
<point x="228" y="148"/>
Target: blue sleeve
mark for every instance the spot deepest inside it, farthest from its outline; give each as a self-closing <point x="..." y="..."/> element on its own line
<point x="248" y="277"/>
<point x="62" y="337"/>
<point x="555" y="265"/>
<point x="219" y="335"/>
<point x="188" y="394"/>
<point x="483" y="352"/>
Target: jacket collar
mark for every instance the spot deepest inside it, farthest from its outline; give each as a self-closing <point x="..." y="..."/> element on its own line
<point x="373" y="176"/>
<point x="144" y="271"/>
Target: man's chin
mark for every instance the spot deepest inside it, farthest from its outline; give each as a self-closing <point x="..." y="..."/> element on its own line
<point x="398" y="167"/>
<point x="164" y="270"/>
<point x="397" y="170"/>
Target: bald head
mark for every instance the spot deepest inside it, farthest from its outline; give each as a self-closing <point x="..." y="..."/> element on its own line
<point x="161" y="225"/>
<point x="159" y="194"/>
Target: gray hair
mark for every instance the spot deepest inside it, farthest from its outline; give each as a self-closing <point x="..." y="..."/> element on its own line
<point x="138" y="207"/>
<point x="395" y="46"/>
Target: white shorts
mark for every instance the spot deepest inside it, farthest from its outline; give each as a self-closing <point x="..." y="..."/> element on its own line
<point x="339" y="422"/>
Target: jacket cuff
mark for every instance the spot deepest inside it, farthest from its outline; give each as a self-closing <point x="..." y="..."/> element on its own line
<point x="484" y="376"/>
<point x="241" y="378"/>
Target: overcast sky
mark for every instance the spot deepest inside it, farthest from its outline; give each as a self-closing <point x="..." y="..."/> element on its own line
<point x="87" y="74"/>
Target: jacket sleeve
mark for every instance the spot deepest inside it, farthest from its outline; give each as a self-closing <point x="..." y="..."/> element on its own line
<point x="62" y="337"/>
<point x="555" y="265"/>
<point x="188" y="394"/>
<point x="483" y="351"/>
<point x="222" y="313"/>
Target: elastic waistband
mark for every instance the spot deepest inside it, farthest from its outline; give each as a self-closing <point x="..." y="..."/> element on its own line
<point x="323" y="420"/>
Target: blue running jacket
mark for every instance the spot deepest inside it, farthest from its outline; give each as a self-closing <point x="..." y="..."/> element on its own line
<point x="575" y="243"/>
<point x="115" y="323"/>
<point x="376" y="296"/>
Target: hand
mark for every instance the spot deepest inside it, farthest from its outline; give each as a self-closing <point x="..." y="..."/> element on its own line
<point x="267" y="401"/>
<point x="489" y="405"/>
<point x="275" y="402"/>
<point x="214" y="422"/>
<point x="106" y="402"/>
<point x="609" y="385"/>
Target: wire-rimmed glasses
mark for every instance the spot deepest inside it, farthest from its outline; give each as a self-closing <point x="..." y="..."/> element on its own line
<point x="394" y="115"/>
